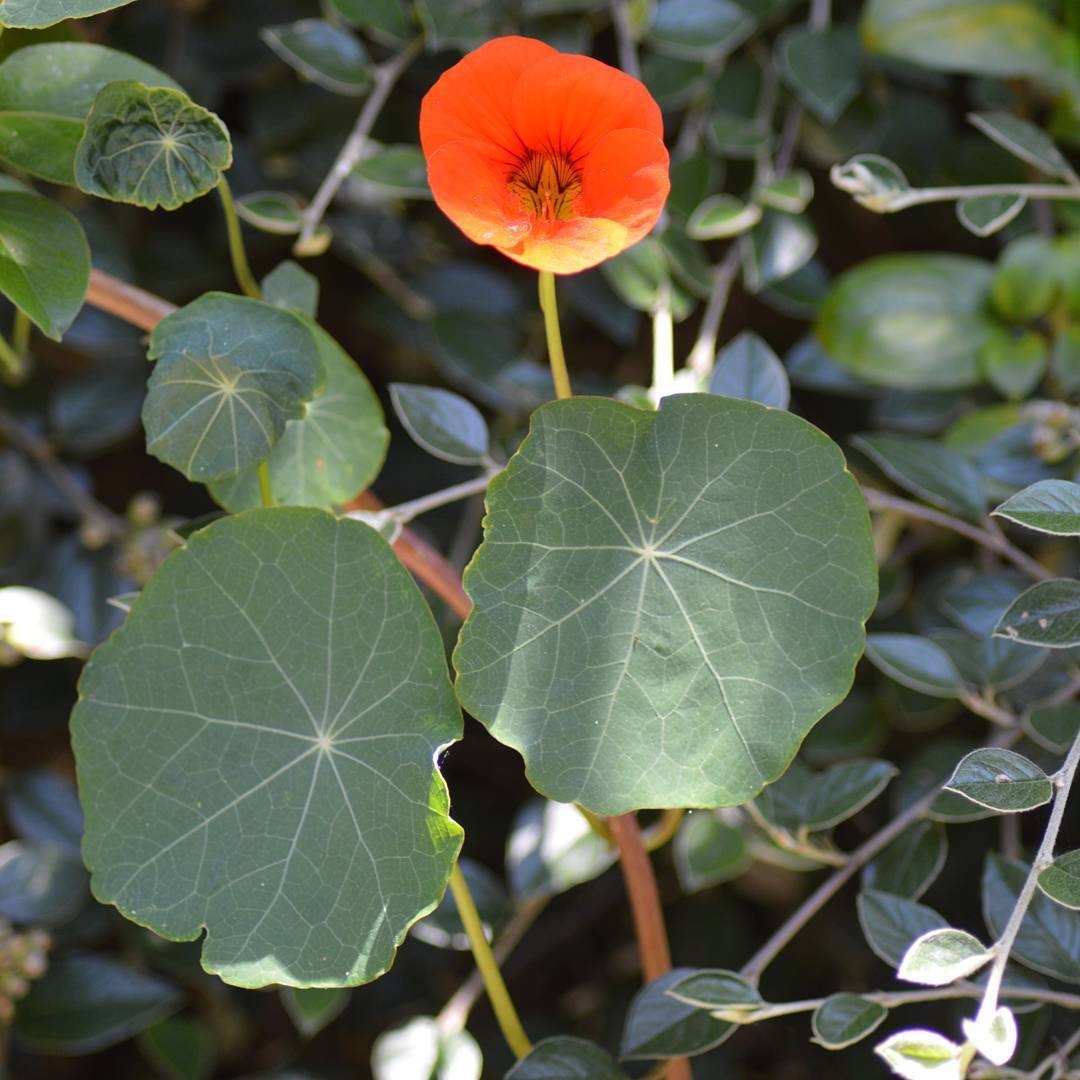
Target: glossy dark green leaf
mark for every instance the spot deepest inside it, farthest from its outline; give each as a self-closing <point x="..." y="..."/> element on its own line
<point x="914" y="321"/>
<point x="1065" y="360"/>
<point x="1016" y="38"/>
<point x="44" y="260"/>
<point x="1049" y="938"/>
<point x="721" y="216"/>
<point x="1049" y="506"/>
<point x="891" y="923"/>
<point x="985" y="215"/>
<point x="940" y="957"/>
<point x="321" y="780"/>
<point x="40" y="885"/>
<point x="45" y="93"/>
<point x="1001" y="780"/>
<point x="333" y="451"/>
<point x="791" y="193"/>
<point x="974" y="600"/>
<point x="845" y="1019"/>
<point x="659" y="1026"/>
<point x="1025" y="283"/>
<point x="990" y="663"/>
<point x="399" y="170"/>
<point x="715" y="988"/>
<point x="1047" y="614"/>
<point x="1015" y="365"/>
<point x="552" y="848"/>
<point x="443" y="423"/>
<point x="565" y="1058"/>
<point x="928" y="469"/>
<point x="809" y="366"/>
<point x="747" y="368"/>
<point x="699" y="28"/>
<point x="230" y="373"/>
<point x="733" y="135"/>
<point x="292" y="287"/>
<point x="271" y="211"/>
<point x="779" y="246"/>
<point x="802" y="798"/>
<point x="323" y="53"/>
<point x="708" y="852"/>
<point x="915" y="662"/>
<point x="911" y="863"/>
<point x="44" y="809"/>
<point x="1024" y="139"/>
<point x="820" y="67"/>
<point x="606" y="544"/>
<point x="150" y="146"/>
<point x="391" y="18"/>
<point x="454" y="26"/>
<point x="1054" y="726"/>
<point x="179" y="1048"/>
<point x="1061" y="880"/>
<point x="35" y="14"/>
<point x="315" y="1008"/>
<point x="86" y="1003"/>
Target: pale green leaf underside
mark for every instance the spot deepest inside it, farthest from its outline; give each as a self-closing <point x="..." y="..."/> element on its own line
<point x="150" y="146"/>
<point x="34" y="14"/>
<point x="230" y="373"/>
<point x="335" y="450"/>
<point x="665" y="602"/>
<point x="256" y="751"/>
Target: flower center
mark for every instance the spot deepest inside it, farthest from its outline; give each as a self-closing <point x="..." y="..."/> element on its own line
<point x="547" y="185"/>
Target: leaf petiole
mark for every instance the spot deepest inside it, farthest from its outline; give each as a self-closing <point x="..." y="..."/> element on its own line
<point x="241" y="268"/>
<point x="556" y="357"/>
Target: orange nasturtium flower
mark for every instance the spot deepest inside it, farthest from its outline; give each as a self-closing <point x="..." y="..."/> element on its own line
<point x="556" y="160"/>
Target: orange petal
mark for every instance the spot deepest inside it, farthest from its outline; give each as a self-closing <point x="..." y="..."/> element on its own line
<point x="566" y="104"/>
<point x="472" y="100"/>
<point x="572" y="246"/>
<point x="626" y="180"/>
<point x="473" y="194"/>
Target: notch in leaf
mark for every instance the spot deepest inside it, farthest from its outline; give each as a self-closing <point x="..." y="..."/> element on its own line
<point x="150" y="146"/>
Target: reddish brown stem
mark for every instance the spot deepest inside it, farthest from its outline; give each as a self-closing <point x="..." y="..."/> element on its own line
<point x="127" y="302"/>
<point x="645" y="907"/>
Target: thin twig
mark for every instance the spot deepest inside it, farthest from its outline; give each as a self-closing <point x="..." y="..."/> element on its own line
<point x="703" y="354"/>
<point x="406" y="511"/>
<point x="624" y="37"/>
<point x="986" y="537"/>
<point x="385" y="78"/>
<point x="901" y="200"/>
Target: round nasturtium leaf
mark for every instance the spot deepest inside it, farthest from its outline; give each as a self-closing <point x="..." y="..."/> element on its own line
<point x="665" y="602"/>
<point x="151" y="146"/>
<point x="256" y="749"/>
<point x="230" y="373"/>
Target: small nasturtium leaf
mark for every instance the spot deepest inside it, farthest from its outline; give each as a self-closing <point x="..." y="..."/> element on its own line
<point x="257" y="743"/>
<point x="659" y="1026"/>
<point x="45" y="93"/>
<point x="687" y="589"/>
<point x="942" y="956"/>
<point x="35" y="14"/>
<point x="230" y="372"/>
<point x="330" y="453"/>
<point x="1047" y="614"/>
<point x="563" y="1057"/>
<point x="150" y="146"/>
<point x="1001" y="780"/>
<point x="1061" y="880"/>
<point x="1049" y="506"/>
<point x="44" y="260"/>
<point x="844" y="1019"/>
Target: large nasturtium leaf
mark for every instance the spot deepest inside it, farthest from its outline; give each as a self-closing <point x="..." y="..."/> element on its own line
<point x="230" y="373"/>
<point x="44" y="260"/>
<point x="150" y="146"/>
<point x="45" y="93"/>
<point x="665" y="602"/>
<point x="912" y="321"/>
<point x="333" y="451"/>
<point x="256" y="751"/>
<point x="34" y="14"/>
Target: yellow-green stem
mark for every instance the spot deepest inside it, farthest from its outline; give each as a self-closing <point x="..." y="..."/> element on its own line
<point x="505" y="1013"/>
<point x="556" y="357"/>
<point x="12" y="369"/>
<point x="266" y="492"/>
<point x="20" y="334"/>
<point x="244" y="277"/>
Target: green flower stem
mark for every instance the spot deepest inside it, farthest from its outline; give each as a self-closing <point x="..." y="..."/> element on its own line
<point x="241" y="268"/>
<point x="663" y="381"/>
<point x="20" y="334"/>
<point x="1063" y="781"/>
<point x="266" y="492"/>
<point x="505" y="1013"/>
<point x="549" y="306"/>
<point x="11" y="365"/>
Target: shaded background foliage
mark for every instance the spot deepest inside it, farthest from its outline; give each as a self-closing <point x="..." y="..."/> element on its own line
<point x="741" y="84"/>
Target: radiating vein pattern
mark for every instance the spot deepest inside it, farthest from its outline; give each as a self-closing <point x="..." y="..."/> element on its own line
<point x="666" y="602"/>
<point x="256" y="751"/>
